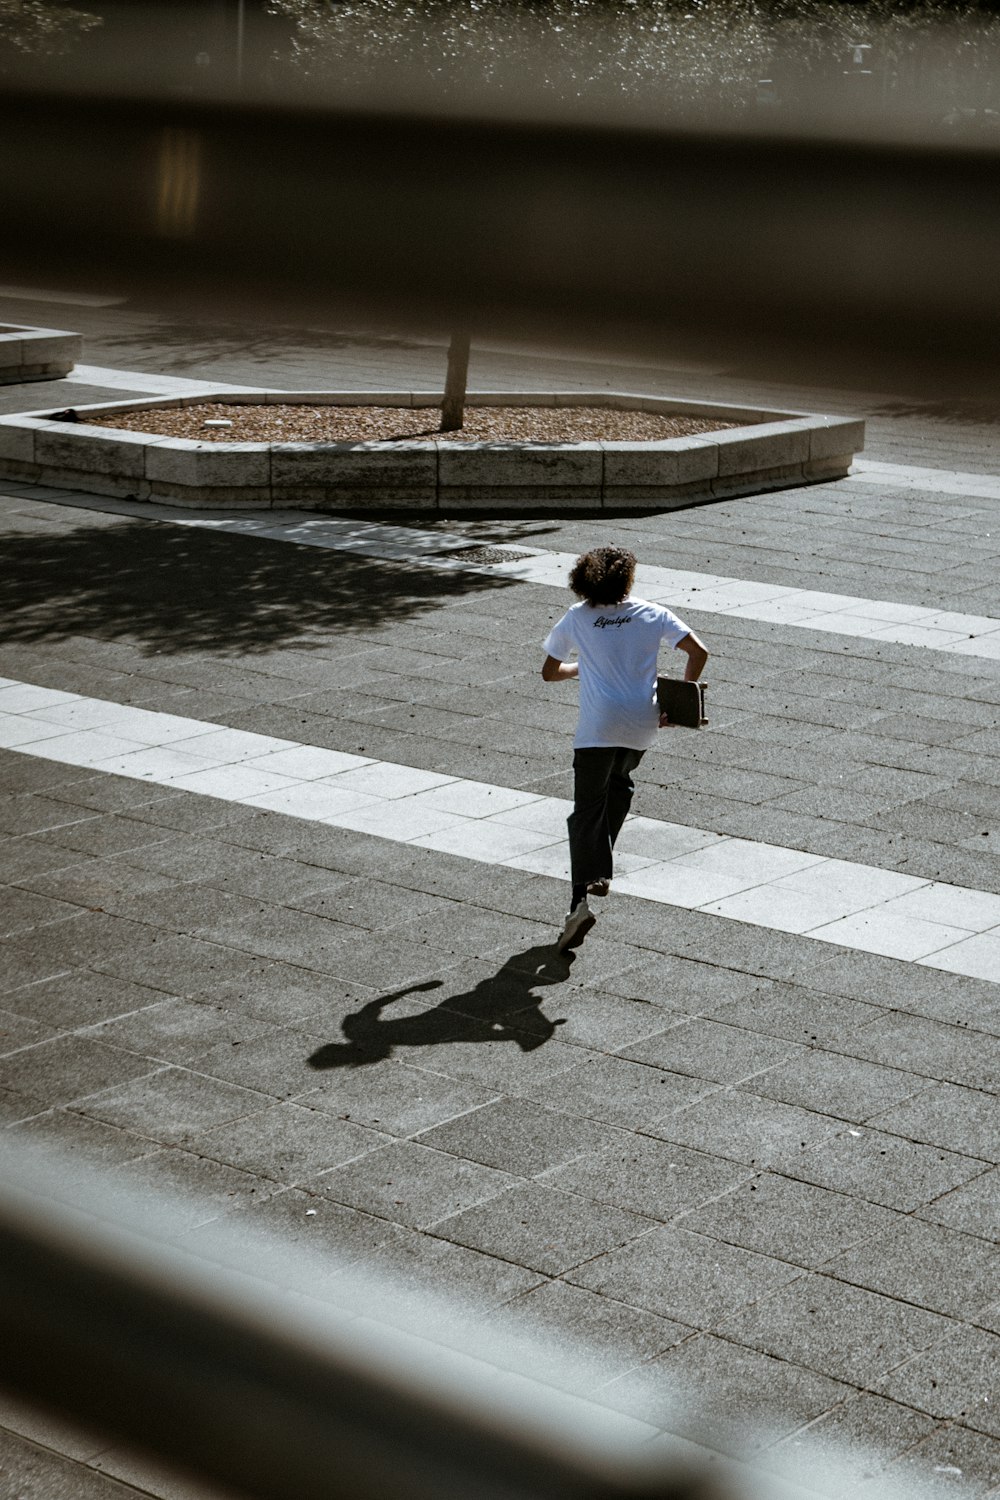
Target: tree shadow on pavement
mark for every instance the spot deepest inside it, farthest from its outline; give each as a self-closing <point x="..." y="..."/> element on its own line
<point x="184" y="347"/>
<point x="501" y="1008"/>
<point x="160" y="587"/>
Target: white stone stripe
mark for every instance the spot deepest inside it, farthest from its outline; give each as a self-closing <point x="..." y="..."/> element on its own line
<point x="143" y="384"/>
<point x="834" y="901"/>
<point x="840" y="614"/>
<point x="69" y="299"/>
<point x="935" y="481"/>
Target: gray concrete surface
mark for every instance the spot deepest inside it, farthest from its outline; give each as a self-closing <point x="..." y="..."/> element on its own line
<point x="728" y="1160"/>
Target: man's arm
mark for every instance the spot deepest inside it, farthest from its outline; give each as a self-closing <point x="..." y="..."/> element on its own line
<point x="697" y="656"/>
<point x="554" y="670"/>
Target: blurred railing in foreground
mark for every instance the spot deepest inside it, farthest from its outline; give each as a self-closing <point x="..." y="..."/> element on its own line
<point x="806" y="257"/>
<point x="256" y="1368"/>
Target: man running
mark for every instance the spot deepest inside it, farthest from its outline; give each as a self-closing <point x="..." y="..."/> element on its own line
<point x="616" y="639"/>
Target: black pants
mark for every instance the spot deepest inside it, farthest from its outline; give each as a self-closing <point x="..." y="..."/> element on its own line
<point x="602" y="796"/>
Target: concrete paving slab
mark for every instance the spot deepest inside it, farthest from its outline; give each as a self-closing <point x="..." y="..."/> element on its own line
<point x="976" y="956"/>
<point x="742" y="1127"/>
<point x="924" y="1264"/>
<point x="949" y="1455"/>
<point x="37" y="1471"/>
<point x="411" y="1183"/>
<point x="177" y="965"/>
<point x="598" y="1021"/>
<point x="79" y="997"/>
<point x="933" y="1049"/>
<point x="20" y="1031"/>
<point x="973" y="1206"/>
<point x="338" y="1237"/>
<point x="565" y="1318"/>
<point x="62" y="1069"/>
<point x="681" y="1275"/>
<point x="880" y="1168"/>
<point x="671" y="983"/>
<point x="396" y="1097"/>
<point x="795" y="1221"/>
<point x="801" y="1014"/>
<point x="24" y="910"/>
<point x="652" y="1177"/>
<point x="946" y="1115"/>
<point x="618" y="1092"/>
<point x="199" y="1190"/>
<point x="503" y="1055"/>
<point x="472" y="1282"/>
<point x="541" y="1228"/>
<point x="846" y="1088"/>
<point x="854" y="1335"/>
<point x="176" y="1031"/>
<point x="275" y="1065"/>
<point x="957" y="1379"/>
<point x="15" y="1107"/>
<point x="516" y="1136"/>
<point x="171" y="1105"/>
<point x="705" y="1049"/>
<point x="744" y="1397"/>
<point x="844" y="1440"/>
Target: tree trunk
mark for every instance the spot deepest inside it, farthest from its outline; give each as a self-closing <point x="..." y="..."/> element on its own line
<point x="453" y="405"/>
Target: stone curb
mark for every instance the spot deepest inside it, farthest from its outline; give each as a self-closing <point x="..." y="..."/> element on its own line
<point x="36" y="353"/>
<point x="772" y="450"/>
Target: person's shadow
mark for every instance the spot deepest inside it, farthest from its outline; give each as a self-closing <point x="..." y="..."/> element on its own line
<point x="502" y="1008"/>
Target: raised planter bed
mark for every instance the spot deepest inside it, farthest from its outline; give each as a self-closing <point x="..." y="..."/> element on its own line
<point x="36" y="353"/>
<point x="768" y="450"/>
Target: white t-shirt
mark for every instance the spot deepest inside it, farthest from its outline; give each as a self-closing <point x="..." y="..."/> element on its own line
<point x="616" y="645"/>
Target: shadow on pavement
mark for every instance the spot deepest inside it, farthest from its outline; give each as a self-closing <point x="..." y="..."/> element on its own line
<point x="173" y="588"/>
<point x="984" y="413"/>
<point x="502" y="1008"/>
<point x="183" y="347"/>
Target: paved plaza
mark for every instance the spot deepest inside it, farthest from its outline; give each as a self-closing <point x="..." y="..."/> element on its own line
<point x="282" y="821"/>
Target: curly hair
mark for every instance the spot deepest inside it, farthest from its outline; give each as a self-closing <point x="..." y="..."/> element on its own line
<point x="603" y="576"/>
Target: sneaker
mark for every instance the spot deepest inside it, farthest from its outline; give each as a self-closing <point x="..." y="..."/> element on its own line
<point x="599" y="887"/>
<point x="579" y="922"/>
